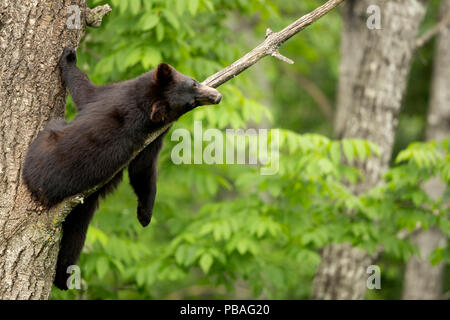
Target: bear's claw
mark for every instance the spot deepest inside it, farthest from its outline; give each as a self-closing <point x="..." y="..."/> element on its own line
<point x="144" y="216"/>
<point x="69" y="56"/>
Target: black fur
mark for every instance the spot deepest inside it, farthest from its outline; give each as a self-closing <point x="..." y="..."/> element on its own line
<point x="74" y="231"/>
<point x="112" y="122"/>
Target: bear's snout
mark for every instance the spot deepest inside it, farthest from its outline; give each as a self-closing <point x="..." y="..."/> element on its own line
<point x="218" y="99"/>
<point x="207" y="95"/>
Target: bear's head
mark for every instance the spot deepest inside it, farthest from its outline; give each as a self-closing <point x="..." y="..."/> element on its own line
<point x="178" y="94"/>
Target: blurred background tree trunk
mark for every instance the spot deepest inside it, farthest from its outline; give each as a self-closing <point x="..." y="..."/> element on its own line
<point x="354" y="31"/>
<point x="32" y="37"/>
<point x="375" y="86"/>
<point x="422" y="279"/>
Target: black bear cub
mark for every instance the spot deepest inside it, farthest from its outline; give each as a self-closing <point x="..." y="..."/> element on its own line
<point x="113" y="121"/>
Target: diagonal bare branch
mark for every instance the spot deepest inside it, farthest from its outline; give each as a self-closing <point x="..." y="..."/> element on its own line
<point x="94" y="17"/>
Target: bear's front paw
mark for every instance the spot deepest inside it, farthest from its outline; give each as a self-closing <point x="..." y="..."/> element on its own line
<point x="69" y="56"/>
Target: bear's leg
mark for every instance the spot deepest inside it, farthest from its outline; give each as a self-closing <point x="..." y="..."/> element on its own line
<point x="35" y="171"/>
<point x="74" y="232"/>
<point x="80" y="87"/>
<point x="143" y="172"/>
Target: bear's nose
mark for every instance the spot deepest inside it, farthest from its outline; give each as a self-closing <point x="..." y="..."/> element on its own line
<point x="218" y="99"/>
<point x="207" y="95"/>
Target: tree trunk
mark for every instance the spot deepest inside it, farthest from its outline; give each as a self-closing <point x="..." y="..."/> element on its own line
<point x="353" y="34"/>
<point x="377" y="88"/>
<point x="423" y="280"/>
<point x="33" y="34"/>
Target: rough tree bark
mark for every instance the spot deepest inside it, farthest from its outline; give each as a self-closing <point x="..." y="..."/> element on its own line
<point x="423" y="280"/>
<point x="383" y="59"/>
<point x="33" y="35"/>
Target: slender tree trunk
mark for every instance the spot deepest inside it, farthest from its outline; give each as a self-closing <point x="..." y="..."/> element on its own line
<point x="423" y="280"/>
<point x="33" y="34"/>
<point x="377" y="88"/>
<point x="353" y="34"/>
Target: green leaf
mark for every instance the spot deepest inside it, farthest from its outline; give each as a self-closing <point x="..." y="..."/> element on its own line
<point x="375" y="148"/>
<point x="275" y="189"/>
<point x="133" y="57"/>
<point x="95" y="234"/>
<point x="242" y="246"/>
<point x="151" y="57"/>
<point x="160" y="32"/>
<point x="360" y="147"/>
<point x="122" y="5"/>
<point x="172" y="19"/>
<point x="209" y="4"/>
<point x="148" y="21"/>
<point x="148" y="5"/>
<point x="436" y="256"/>
<point x="335" y="152"/>
<point x="181" y="6"/>
<point x="206" y="262"/>
<point x="102" y="266"/>
<point x="105" y="65"/>
<point x="180" y="254"/>
<point x="348" y="150"/>
<point x="119" y="265"/>
<point x="141" y="277"/>
<point x="135" y="6"/>
<point x="193" y="6"/>
<point x="418" y="198"/>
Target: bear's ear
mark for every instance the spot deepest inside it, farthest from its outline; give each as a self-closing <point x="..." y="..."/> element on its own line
<point x="163" y="74"/>
<point x="158" y="112"/>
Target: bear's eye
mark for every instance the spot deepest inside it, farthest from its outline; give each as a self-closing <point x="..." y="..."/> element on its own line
<point x="194" y="83"/>
<point x="191" y="105"/>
